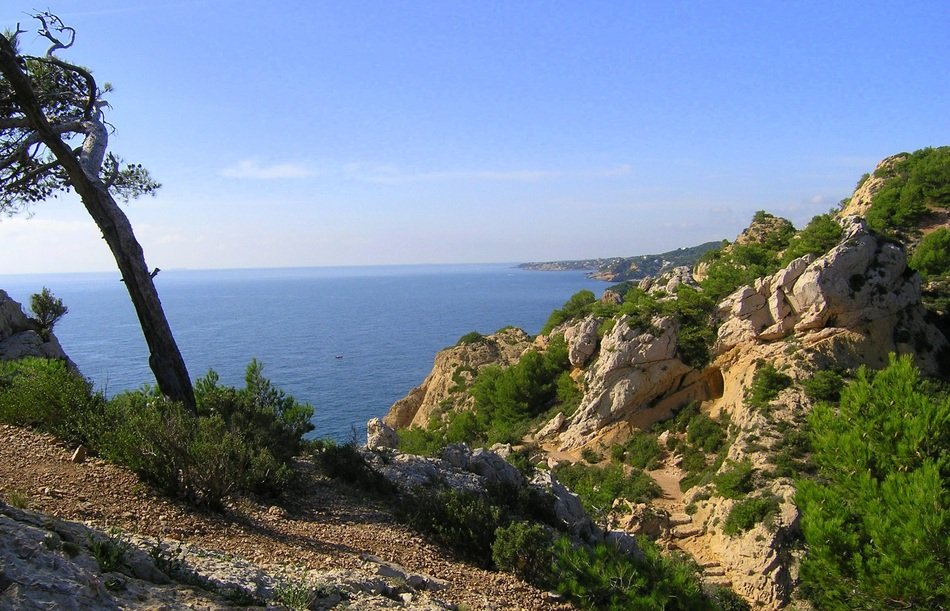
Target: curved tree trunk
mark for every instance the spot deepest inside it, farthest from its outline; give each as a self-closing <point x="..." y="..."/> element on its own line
<point x="165" y="359"/>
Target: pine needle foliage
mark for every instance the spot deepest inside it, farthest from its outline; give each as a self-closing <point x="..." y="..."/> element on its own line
<point x="876" y="520"/>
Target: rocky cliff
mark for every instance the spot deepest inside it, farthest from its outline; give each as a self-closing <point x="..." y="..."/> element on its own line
<point x="20" y="334"/>
<point x="851" y="306"/>
<point x="454" y="368"/>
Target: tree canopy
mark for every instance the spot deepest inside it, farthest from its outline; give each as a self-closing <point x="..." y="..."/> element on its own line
<point x="53" y="139"/>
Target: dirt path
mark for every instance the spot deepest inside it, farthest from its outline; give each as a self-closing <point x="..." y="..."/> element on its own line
<point x="318" y="528"/>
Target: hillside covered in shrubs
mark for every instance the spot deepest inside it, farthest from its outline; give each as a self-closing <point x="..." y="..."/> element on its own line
<point x="771" y="423"/>
<point x="763" y="380"/>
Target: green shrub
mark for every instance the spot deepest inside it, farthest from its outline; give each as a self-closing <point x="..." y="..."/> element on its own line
<point x="911" y="186"/>
<point x="736" y="481"/>
<point x="599" y="487"/>
<point x="109" y="551"/>
<point x="603" y="578"/>
<point x="820" y="235"/>
<point x="875" y="520"/>
<point x="525" y="549"/>
<point x="592" y="456"/>
<point x="932" y="256"/>
<point x="465" y="522"/>
<point x="705" y="433"/>
<point x="642" y="451"/>
<point x="748" y="512"/>
<point x="767" y="383"/>
<point x="473" y="337"/>
<point x="241" y="440"/>
<point x="823" y="385"/>
<point x="344" y="462"/>
<point x="580" y="304"/>
<point x="47" y="310"/>
<point x="46" y="394"/>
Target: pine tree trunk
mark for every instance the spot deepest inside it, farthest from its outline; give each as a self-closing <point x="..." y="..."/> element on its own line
<point x="165" y="359"/>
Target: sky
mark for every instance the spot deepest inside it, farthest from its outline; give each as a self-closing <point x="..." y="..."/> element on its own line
<point x="310" y="133"/>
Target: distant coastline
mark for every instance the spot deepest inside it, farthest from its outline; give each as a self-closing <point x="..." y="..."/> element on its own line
<point x="620" y="269"/>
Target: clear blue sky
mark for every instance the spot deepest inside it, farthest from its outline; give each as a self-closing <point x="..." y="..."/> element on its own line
<point x="349" y="132"/>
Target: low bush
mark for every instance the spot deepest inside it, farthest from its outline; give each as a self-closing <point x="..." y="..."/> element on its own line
<point x="601" y="577"/>
<point x="46" y="394"/>
<point x="735" y="481"/>
<point x="473" y="337"/>
<point x="705" y="433"/>
<point x="642" y="451"/>
<point x="819" y="236"/>
<point x="599" y="487"/>
<point x="823" y="385"/>
<point x="931" y="258"/>
<point x="464" y="522"/>
<point x="524" y="548"/>
<point x="767" y="383"/>
<point x="345" y="463"/>
<point x="748" y="512"/>
<point x="580" y="304"/>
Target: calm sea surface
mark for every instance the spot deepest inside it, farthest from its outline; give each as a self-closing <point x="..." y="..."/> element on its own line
<point x="349" y="341"/>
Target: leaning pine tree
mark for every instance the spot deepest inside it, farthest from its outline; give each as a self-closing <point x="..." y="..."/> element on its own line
<point x="53" y="138"/>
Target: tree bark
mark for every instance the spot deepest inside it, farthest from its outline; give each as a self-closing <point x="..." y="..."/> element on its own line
<point x="165" y="359"/>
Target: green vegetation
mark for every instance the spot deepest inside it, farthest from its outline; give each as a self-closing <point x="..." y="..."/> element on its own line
<point x="599" y="487"/>
<point x="578" y="305"/>
<point x="875" y="519"/>
<point x="241" y="440"/>
<point x="109" y="551"/>
<point x="47" y="310"/>
<point x="641" y="450"/>
<point x="748" y="512"/>
<point x="911" y="187"/>
<point x="46" y="394"/>
<point x="819" y="236"/>
<point x="931" y="258"/>
<point x="472" y="337"/>
<point x="523" y="548"/>
<point x="736" y="481"/>
<point x="824" y="385"/>
<point x="741" y="264"/>
<point x="767" y="383"/>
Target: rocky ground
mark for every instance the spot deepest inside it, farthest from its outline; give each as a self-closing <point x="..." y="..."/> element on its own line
<point x="320" y="534"/>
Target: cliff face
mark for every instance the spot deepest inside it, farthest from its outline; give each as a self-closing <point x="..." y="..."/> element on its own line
<point x="454" y="368"/>
<point x="851" y="306"/>
<point x="20" y="335"/>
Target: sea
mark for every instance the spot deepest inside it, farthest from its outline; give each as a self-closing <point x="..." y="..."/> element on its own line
<point x="350" y="341"/>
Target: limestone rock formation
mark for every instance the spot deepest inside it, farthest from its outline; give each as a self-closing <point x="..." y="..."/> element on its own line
<point x="581" y="341"/>
<point x="454" y="368"/>
<point x="19" y="334"/>
<point x="860" y="201"/>
<point x="46" y="563"/>
<point x="862" y="286"/>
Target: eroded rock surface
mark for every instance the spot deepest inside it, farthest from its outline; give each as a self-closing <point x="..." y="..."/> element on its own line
<point x="453" y="368"/>
<point x="20" y="334"/>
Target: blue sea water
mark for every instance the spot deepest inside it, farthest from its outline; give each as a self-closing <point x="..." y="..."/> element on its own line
<point x="348" y="340"/>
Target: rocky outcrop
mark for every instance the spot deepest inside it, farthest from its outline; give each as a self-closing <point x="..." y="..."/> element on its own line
<point x="636" y="380"/>
<point x="46" y="563"/>
<point x="581" y="341"/>
<point x="454" y="368"/>
<point x="860" y="201"/>
<point x="20" y="335"/>
<point x="479" y="471"/>
<point x="862" y="286"/>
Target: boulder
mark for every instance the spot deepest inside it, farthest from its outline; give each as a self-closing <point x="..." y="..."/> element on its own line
<point x="581" y="341"/>
<point x="20" y="337"/>
<point x="380" y="435"/>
